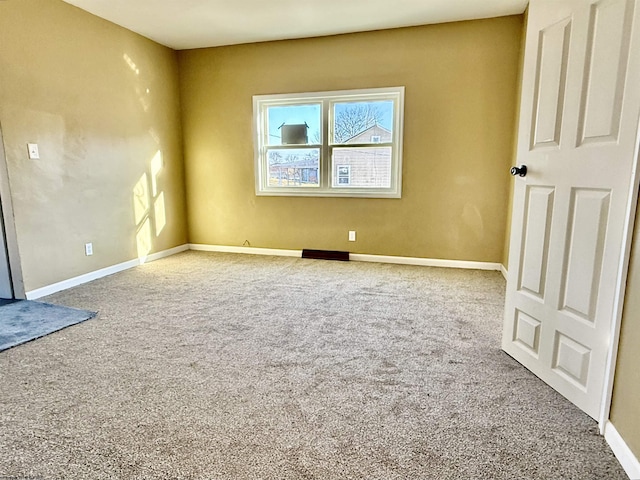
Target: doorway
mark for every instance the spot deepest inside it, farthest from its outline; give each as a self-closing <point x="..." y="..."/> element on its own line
<point x="11" y="285"/>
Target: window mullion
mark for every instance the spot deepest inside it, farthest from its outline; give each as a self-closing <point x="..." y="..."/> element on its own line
<point x="325" y="160"/>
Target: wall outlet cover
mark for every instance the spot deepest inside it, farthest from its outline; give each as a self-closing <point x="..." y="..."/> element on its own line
<point x="33" y="150"/>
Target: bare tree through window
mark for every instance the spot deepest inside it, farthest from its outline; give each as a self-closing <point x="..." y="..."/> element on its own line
<point x="354" y="119"/>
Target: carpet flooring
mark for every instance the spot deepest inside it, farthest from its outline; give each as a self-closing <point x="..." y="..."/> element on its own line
<point x="222" y="366"/>
<point x="24" y="320"/>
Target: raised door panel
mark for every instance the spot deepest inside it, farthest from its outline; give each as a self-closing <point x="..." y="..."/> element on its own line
<point x="535" y="249"/>
<point x="605" y="71"/>
<point x="550" y="84"/>
<point x="588" y="219"/>
<point x="526" y="333"/>
<point x="571" y="360"/>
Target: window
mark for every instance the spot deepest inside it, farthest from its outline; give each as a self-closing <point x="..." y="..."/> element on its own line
<point x="341" y="144"/>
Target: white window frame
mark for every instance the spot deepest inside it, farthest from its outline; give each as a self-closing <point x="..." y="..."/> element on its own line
<point x="261" y="103"/>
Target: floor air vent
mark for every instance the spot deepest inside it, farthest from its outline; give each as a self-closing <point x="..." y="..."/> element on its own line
<point x="326" y="255"/>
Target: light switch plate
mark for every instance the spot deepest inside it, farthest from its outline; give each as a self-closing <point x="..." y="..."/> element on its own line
<point x="33" y="150"/>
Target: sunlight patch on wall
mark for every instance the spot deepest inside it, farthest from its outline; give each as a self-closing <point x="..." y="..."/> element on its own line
<point x="156" y="166"/>
<point x="143" y="240"/>
<point x="149" y="207"/>
<point x="160" y="215"/>
<point x="131" y="63"/>
<point x="142" y="92"/>
<point x="143" y="96"/>
<point x="154" y="135"/>
<point x="141" y="199"/>
<point x="141" y="211"/>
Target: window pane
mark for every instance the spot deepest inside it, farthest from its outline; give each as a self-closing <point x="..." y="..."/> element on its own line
<point x="362" y="167"/>
<point x="363" y="122"/>
<point x="293" y="124"/>
<point x="289" y="168"/>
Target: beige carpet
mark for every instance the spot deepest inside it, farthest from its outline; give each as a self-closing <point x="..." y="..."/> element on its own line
<point x="221" y="366"/>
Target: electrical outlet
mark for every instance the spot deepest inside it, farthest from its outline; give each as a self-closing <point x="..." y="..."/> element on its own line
<point x="88" y="249"/>
<point x="33" y="151"/>
<point x="352" y="235"/>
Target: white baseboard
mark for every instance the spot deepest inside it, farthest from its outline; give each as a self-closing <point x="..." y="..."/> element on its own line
<point x="504" y="271"/>
<point x="246" y="250"/>
<point x="357" y="257"/>
<point x="164" y="253"/>
<point x="103" y="272"/>
<point x="622" y="452"/>
<point x="425" y="262"/>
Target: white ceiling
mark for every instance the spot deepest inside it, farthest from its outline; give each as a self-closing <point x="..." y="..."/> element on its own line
<point x="183" y="24"/>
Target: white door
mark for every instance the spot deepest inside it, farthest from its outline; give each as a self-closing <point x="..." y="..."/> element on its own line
<point x="577" y="135"/>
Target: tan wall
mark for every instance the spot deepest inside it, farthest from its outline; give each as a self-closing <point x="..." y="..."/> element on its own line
<point x="625" y="410"/>
<point x="460" y="81"/>
<point x="507" y="236"/>
<point x="77" y="86"/>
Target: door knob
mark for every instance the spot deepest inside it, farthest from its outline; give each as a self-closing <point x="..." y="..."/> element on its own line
<point x="521" y="170"/>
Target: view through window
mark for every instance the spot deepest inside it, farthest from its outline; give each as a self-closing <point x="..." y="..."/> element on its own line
<point x="344" y="143"/>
